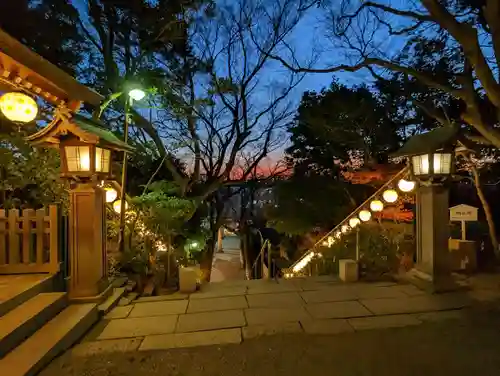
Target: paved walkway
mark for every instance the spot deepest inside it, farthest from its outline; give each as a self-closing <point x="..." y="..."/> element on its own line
<point x="233" y="312"/>
<point x="226" y="266"/>
<point x="451" y="347"/>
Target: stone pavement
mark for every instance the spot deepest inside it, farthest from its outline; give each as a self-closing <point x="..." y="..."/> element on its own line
<point x="226" y="266"/>
<point x="231" y="312"/>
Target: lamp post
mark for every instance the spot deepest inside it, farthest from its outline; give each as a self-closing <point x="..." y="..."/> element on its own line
<point x="137" y="94"/>
<point x="431" y="158"/>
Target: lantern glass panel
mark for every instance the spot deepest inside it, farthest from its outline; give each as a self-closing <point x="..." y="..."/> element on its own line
<point x="442" y="163"/>
<point x="77" y="158"/>
<point x="102" y="160"/>
<point x="420" y="164"/>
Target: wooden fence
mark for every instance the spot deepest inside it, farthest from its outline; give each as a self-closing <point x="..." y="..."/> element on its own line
<point x="29" y="242"/>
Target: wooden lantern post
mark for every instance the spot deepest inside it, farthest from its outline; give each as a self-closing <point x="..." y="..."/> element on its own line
<point x="85" y="148"/>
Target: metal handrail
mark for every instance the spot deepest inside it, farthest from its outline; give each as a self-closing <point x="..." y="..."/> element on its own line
<point x="400" y="174"/>
<point x="260" y="255"/>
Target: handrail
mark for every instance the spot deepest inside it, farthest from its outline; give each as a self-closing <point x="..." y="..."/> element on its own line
<point x="260" y="255"/>
<point x="399" y="175"/>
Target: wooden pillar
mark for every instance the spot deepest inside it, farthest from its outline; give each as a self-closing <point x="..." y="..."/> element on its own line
<point x="87" y="244"/>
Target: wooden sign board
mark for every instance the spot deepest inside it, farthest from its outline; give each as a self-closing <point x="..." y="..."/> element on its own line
<point x="463" y="213"/>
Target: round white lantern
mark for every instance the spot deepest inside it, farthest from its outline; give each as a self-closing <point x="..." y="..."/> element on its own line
<point x="117" y="206"/>
<point x="111" y="194"/>
<point x="365" y="215"/>
<point x="354" y="221"/>
<point x="18" y="107"/>
<point x="406" y="185"/>
<point x="376" y="206"/>
<point x="390" y="196"/>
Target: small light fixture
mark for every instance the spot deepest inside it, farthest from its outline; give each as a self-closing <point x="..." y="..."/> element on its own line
<point x="111" y="194"/>
<point x="338" y="234"/>
<point x="354" y="221"/>
<point x="344" y="229"/>
<point x="325" y="244"/>
<point x="390" y="196"/>
<point x="365" y="215"/>
<point x="406" y="185"/>
<point x="117" y="206"/>
<point x="18" y="107"/>
<point x="376" y="206"/>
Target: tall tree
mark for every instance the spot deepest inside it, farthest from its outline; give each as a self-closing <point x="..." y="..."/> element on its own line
<point x="334" y="130"/>
<point x="462" y="30"/>
<point x="49" y="28"/>
<point x="341" y="125"/>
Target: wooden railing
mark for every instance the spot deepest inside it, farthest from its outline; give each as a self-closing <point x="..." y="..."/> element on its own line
<point x="29" y="242"/>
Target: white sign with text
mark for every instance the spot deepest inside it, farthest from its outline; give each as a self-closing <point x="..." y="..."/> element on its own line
<point x="463" y="213"/>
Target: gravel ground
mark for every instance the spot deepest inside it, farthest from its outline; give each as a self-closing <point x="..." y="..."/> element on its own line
<point x="455" y="347"/>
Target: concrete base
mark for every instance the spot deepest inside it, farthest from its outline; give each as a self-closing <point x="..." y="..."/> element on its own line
<point x="348" y="270"/>
<point x="432" y="284"/>
<point x="98" y="299"/>
<point x="187" y="280"/>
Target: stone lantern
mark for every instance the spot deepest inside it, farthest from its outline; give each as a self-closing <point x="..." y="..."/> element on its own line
<point x="85" y="148"/>
<point x="431" y="158"/>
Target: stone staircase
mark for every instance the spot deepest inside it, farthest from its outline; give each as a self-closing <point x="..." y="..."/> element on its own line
<point x="37" y="324"/>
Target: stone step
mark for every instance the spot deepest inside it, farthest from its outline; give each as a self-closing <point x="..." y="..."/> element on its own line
<point x="112" y="301"/>
<point x="26" y="319"/>
<point x="21" y="290"/>
<point x="50" y="340"/>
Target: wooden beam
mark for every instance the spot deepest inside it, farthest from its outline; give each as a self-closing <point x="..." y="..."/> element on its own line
<point x="28" y="64"/>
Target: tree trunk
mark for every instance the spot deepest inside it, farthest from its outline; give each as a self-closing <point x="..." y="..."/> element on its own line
<point x="207" y="259"/>
<point x="486" y="208"/>
<point x="215" y="211"/>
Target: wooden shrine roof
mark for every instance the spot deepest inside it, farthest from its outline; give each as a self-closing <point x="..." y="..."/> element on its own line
<point x="24" y="69"/>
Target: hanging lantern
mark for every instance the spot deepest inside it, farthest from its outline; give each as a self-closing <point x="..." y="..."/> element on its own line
<point x="354" y="221"/>
<point x="18" y="107"/>
<point x="390" y="196"/>
<point x="330" y="241"/>
<point x="406" y="185"/>
<point x="344" y="229"/>
<point x="111" y="194"/>
<point x="376" y="206"/>
<point x="338" y="234"/>
<point x="324" y="244"/>
<point x="365" y="215"/>
<point x="117" y="206"/>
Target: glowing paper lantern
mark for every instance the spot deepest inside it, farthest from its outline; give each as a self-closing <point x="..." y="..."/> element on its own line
<point x="338" y="234"/>
<point x="111" y="194"/>
<point x="390" y="196"/>
<point x="406" y="185"/>
<point x="353" y="222"/>
<point x="344" y="229"/>
<point x="330" y="241"/>
<point x="376" y="206"/>
<point x="18" y="107"/>
<point x="117" y="206"/>
<point x="365" y="215"/>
